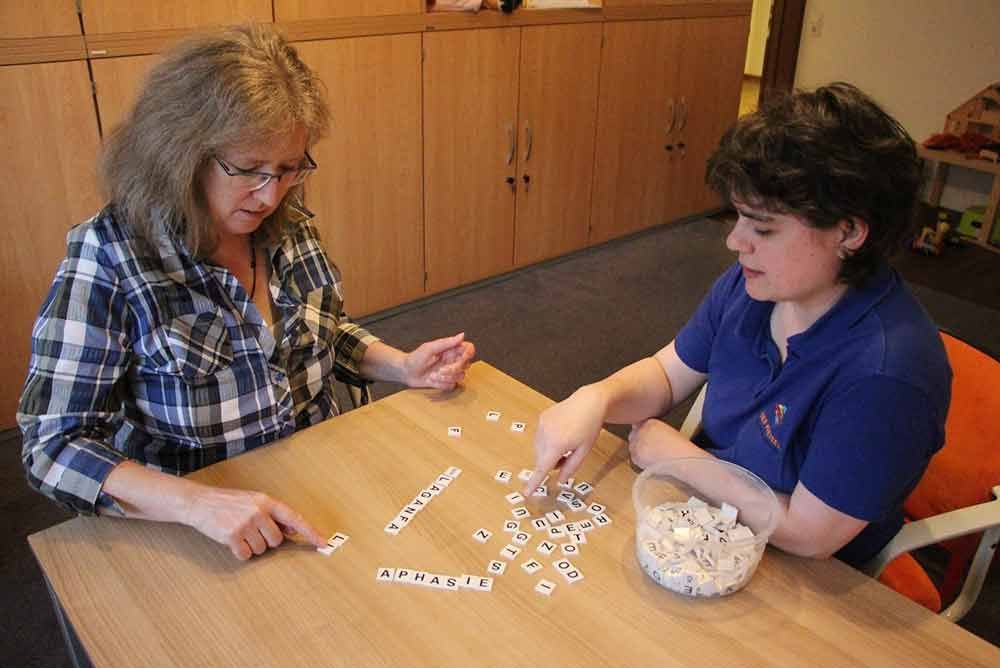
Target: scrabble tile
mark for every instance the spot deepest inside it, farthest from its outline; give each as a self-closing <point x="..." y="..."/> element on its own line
<point x="596" y="509"/>
<point x="385" y="574"/>
<point x="565" y="497"/>
<point x="496" y="567"/>
<point x="556" y="533"/>
<point x="455" y="432"/>
<point x="467" y="581"/>
<point x="545" y="588"/>
<point x="585" y="526"/>
<point x="435" y="488"/>
<point x="326" y="550"/>
<point x="425" y="495"/>
<point x="514" y="498"/>
<point x="503" y="476"/>
<point x="540" y="524"/>
<point x="602" y="520"/>
<point x="401" y="519"/>
<point x="572" y="575"/>
<point x="520" y="538"/>
<point x="570" y="527"/>
<point x="532" y="566"/>
<point x="483" y="583"/>
<point x="541" y="490"/>
<point x="583" y="488"/>
<point x="562" y="565"/>
<point x="409" y="511"/>
<point x="418" y="503"/>
<point x="482" y="535"/>
<point x="517" y="426"/>
<point x="510" y="551"/>
<point x="546" y="548"/>
<point x="525" y="475"/>
<point x="568" y="484"/>
<point x="728" y="514"/>
<point x="338" y="539"/>
<point x="421" y="578"/>
<point x="511" y="526"/>
<point x="576" y="505"/>
<point x="493" y="416"/>
<point x="695" y="502"/>
<point x="443" y="480"/>
<point x="392" y="528"/>
<point x="520" y="513"/>
<point x="453" y="472"/>
<point x="578" y="538"/>
<point x="555" y="516"/>
<point x="404" y="575"/>
<point x="569" y="549"/>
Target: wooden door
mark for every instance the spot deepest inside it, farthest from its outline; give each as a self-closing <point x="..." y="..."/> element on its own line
<point x="470" y="98"/>
<point x="298" y="10"/>
<point x="50" y="140"/>
<point x="367" y="191"/>
<point x="113" y="16"/>
<point x="557" y="120"/>
<point x="632" y="166"/>
<point x="710" y="79"/>
<point x="38" y="18"/>
<point x="116" y="83"/>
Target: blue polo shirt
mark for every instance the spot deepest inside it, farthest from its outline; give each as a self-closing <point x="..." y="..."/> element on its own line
<point x="854" y="413"/>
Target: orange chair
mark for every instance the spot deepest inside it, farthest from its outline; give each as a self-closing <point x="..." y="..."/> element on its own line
<point x="957" y="497"/>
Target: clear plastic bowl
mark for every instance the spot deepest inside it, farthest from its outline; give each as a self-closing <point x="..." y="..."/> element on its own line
<point x="709" y="562"/>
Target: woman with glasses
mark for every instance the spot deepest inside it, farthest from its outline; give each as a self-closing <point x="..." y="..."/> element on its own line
<point x="197" y="317"/>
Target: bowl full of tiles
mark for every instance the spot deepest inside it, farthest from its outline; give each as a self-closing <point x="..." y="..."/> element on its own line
<point x="702" y="524"/>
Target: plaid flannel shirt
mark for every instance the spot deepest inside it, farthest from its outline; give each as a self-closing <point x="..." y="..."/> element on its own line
<point x="142" y="352"/>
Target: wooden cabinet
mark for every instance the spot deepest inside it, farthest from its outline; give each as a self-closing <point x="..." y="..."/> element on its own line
<point x="509" y="129"/>
<point x="50" y="143"/>
<point x="116" y="83"/>
<point x="669" y="89"/>
<point x="298" y="10"/>
<point x="367" y="192"/>
<point x="115" y="16"/>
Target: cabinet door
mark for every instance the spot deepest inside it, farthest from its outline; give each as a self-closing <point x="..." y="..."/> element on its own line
<point x="470" y="97"/>
<point x="38" y="18"/>
<point x="632" y="166"/>
<point x="116" y="82"/>
<point x="557" y="119"/>
<point x="298" y="10"/>
<point x="51" y="189"/>
<point x="367" y="190"/>
<point x="111" y="16"/>
<point x="710" y="79"/>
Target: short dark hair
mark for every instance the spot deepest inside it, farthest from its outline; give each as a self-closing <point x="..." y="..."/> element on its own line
<point x="825" y="156"/>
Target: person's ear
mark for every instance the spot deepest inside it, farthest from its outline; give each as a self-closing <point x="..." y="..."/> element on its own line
<point x="853" y="233"/>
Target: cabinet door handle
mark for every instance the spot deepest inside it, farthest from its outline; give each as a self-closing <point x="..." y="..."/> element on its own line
<point x="527" y="139"/>
<point x="512" y="139"/>
<point x="683" y="115"/>
<point x="512" y="183"/>
<point x="527" y="182"/>
<point x="672" y="109"/>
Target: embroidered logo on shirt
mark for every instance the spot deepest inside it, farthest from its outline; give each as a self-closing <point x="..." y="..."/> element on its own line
<point x="765" y="428"/>
<point x="779" y="413"/>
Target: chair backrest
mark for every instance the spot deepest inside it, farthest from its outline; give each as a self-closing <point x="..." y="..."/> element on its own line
<point x="965" y="470"/>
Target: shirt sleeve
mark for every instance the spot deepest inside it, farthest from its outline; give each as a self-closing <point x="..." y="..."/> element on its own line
<point x="319" y="281"/>
<point x="694" y="342"/>
<point x="79" y="352"/>
<point x="870" y="445"/>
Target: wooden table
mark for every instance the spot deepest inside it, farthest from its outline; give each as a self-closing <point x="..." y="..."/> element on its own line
<point x="154" y="594"/>
<point x="942" y="160"/>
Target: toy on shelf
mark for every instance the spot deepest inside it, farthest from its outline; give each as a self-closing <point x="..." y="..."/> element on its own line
<point x="931" y="241"/>
<point x="972" y="128"/>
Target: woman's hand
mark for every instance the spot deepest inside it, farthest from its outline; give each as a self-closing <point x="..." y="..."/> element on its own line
<point x="652" y="441"/>
<point x="572" y="427"/>
<point x="440" y="364"/>
<point x="246" y="522"/>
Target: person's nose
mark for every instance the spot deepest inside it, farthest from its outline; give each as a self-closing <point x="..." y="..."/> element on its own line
<point x="271" y="193"/>
<point x="737" y="240"/>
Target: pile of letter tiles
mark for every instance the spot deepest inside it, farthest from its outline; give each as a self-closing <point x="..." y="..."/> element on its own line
<point x="696" y="549"/>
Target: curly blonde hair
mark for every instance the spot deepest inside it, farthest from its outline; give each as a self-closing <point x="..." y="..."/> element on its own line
<point x="210" y="93"/>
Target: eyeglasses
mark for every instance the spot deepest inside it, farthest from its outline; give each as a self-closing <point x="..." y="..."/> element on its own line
<point x="253" y="181"/>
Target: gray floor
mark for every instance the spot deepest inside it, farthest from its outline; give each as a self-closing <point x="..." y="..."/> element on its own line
<point x="554" y="327"/>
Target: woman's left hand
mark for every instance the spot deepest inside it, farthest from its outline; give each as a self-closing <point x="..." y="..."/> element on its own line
<point x="439" y="364"/>
<point x="652" y="441"/>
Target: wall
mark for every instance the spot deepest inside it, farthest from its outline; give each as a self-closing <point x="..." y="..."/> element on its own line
<point x="919" y="58"/>
<point x="759" y="19"/>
